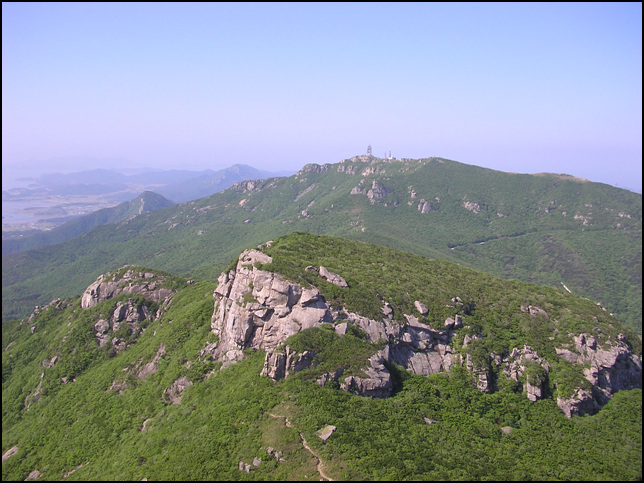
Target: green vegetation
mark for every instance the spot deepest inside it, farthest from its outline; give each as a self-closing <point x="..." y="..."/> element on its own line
<point x="93" y="413"/>
<point x="490" y="307"/>
<point x="545" y="229"/>
<point x="146" y="202"/>
<point x="348" y="353"/>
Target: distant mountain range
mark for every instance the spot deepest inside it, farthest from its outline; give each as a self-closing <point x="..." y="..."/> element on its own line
<point x="176" y="185"/>
<point x="548" y="229"/>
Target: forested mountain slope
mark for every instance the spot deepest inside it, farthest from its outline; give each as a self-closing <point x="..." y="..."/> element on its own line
<point x="146" y="202"/>
<point x="549" y="229"/>
<point x="263" y="375"/>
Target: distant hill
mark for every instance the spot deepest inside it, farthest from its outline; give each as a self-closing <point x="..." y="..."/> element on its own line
<point x="551" y="230"/>
<point x="210" y="182"/>
<point x="144" y="203"/>
<point x="179" y="185"/>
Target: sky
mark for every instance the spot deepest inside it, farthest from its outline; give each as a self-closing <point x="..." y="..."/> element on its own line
<point x="523" y="87"/>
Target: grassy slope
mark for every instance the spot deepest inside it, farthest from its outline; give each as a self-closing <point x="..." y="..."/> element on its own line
<point x="235" y="415"/>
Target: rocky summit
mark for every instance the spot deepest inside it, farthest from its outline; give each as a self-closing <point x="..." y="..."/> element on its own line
<point x="259" y="309"/>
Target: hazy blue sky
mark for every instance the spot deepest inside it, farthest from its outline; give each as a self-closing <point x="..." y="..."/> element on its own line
<point x="515" y="87"/>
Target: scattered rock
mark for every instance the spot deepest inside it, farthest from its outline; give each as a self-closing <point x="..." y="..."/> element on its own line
<point x="175" y="392"/>
<point x="326" y="432"/>
<point x="334" y="278"/>
<point x="34" y="475"/>
<point x="473" y="207"/>
<point x="10" y="452"/>
<point x="425" y="206"/>
<point x="421" y="307"/>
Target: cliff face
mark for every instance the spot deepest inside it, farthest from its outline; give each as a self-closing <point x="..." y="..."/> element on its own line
<point x="609" y="368"/>
<point x="260" y="310"/>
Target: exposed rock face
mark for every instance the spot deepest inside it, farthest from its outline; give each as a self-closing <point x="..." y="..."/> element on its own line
<point x="281" y="364"/>
<point x="146" y="284"/>
<point x="378" y="381"/>
<point x="580" y="403"/>
<point x="102" y="327"/>
<point x="612" y="367"/>
<point x="128" y="313"/>
<point x="260" y="310"/>
<point x="518" y="368"/>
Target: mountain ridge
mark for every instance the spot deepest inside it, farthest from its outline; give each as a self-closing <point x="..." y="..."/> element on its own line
<point x="134" y="380"/>
<point x="534" y="228"/>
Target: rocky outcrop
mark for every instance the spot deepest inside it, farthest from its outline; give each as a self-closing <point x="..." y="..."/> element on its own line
<point x="58" y="303"/>
<point x="610" y="367"/>
<point x="374" y="194"/>
<point x="127" y="313"/>
<point x="525" y="365"/>
<point x="534" y="311"/>
<point x="260" y="310"/>
<point x="257" y="309"/>
<point x="377" y="380"/>
<point x="581" y="403"/>
<point x="135" y="281"/>
<point x="175" y="392"/>
<point x="140" y="370"/>
<point x="377" y="191"/>
<point x="282" y="363"/>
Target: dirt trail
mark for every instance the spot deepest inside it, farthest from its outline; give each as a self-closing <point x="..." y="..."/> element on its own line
<point x="308" y="448"/>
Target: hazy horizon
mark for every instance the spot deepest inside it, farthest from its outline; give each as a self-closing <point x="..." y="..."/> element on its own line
<point x="16" y="176"/>
<point x="524" y="88"/>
